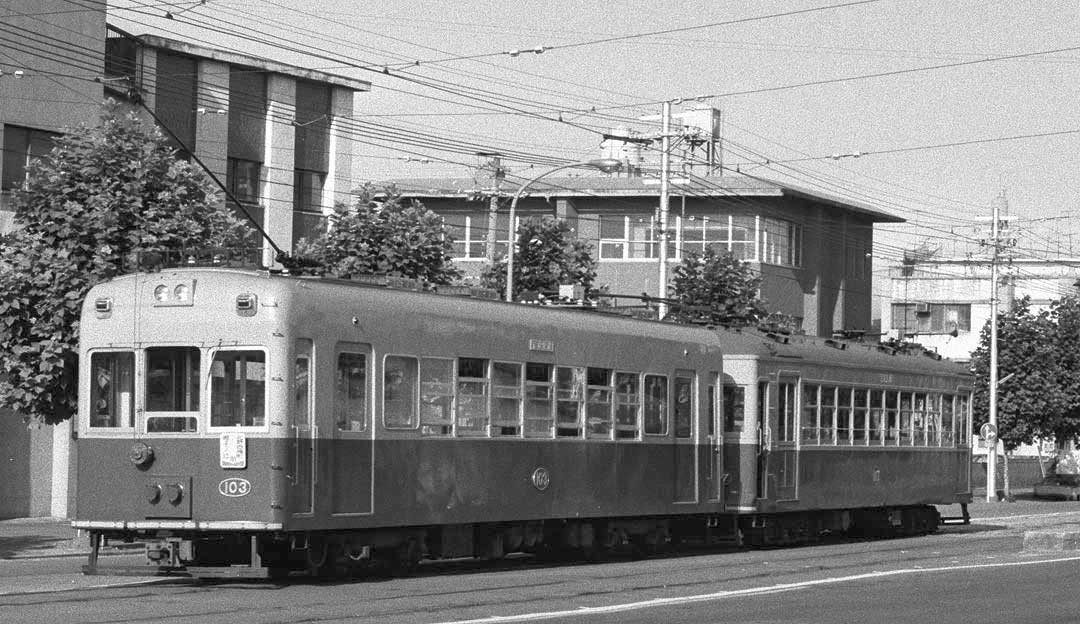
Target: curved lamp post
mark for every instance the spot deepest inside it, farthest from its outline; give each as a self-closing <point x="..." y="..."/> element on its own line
<point x="607" y="165"/>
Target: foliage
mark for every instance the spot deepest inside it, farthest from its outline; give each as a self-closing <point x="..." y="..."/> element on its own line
<point x="100" y="198"/>
<point x="548" y="254"/>
<point x="717" y="287"/>
<point x="1038" y="392"/>
<point x="380" y="235"/>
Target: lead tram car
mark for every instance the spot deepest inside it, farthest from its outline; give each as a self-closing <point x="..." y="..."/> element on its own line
<point x="243" y="423"/>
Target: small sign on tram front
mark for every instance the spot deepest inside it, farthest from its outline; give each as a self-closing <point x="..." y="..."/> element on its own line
<point x="233" y="450"/>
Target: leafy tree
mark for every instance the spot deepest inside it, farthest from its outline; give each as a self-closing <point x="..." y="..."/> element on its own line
<point x="548" y="254"/>
<point x="383" y="236"/>
<point x="717" y="287"/>
<point x="91" y="207"/>
<point x="1038" y="395"/>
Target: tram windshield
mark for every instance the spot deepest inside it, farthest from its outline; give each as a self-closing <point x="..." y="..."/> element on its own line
<point x="174" y="387"/>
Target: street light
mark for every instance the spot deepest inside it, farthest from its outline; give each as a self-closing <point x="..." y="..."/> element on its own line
<point x="607" y="165"/>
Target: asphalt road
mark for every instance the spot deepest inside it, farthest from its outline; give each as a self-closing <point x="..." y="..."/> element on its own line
<point x="976" y="573"/>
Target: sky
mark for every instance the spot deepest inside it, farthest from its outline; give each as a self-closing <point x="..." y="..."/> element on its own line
<point x="949" y="104"/>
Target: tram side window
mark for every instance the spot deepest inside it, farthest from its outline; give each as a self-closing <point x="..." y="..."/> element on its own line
<point x="350" y="392"/>
<point x="436" y="396"/>
<point x="947" y="419"/>
<point x="828" y="415"/>
<point x="877" y="416"/>
<point x="656" y="395"/>
<point x="962" y="416"/>
<point x="905" y="418"/>
<point x="734" y="398"/>
<point x="237" y="389"/>
<point x="112" y="389"/>
<point x="505" y="399"/>
<point x="569" y="401"/>
<point x="843" y="416"/>
<point x="892" y="422"/>
<point x="172" y="385"/>
<point x="598" y="404"/>
<point x="538" y="400"/>
<point x="684" y="406"/>
<point x="918" y="419"/>
<point x="810" y="417"/>
<point x="787" y="413"/>
<point x="627" y="405"/>
<point x="472" y="396"/>
<point x="400" y="379"/>
<point x="858" y="427"/>
<point x="933" y="420"/>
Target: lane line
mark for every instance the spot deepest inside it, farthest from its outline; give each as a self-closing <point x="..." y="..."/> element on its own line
<point x="738" y="593"/>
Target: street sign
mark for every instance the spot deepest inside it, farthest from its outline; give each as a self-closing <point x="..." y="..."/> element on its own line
<point x="988" y="432"/>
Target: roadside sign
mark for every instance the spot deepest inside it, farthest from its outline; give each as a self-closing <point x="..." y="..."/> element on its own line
<point x="988" y="432"/>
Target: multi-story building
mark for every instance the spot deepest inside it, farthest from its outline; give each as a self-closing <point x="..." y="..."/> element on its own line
<point x="278" y="136"/>
<point x="812" y="251"/>
<point x="944" y="303"/>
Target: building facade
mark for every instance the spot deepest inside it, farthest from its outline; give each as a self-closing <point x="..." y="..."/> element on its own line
<point x="813" y="252"/>
<point x="944" y="304"/>
<point x="277" y="136"/>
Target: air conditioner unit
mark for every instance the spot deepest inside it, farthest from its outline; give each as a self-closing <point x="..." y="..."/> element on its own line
<point x="922" y="308"/>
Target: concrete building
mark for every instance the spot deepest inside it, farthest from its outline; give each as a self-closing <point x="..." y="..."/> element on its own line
<point x="812" y="251"/>
<point x="277" y="135"/>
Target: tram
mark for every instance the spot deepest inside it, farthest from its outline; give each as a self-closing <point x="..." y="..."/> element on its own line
<point x="246" y="423"/>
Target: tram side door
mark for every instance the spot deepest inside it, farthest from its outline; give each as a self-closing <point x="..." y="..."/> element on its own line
<point x="779" y="456"/>
<point x="305" y="432"/>
<point x="713" y="464"/>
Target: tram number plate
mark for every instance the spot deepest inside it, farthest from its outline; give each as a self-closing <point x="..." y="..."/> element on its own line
<point x="233" y="450"/>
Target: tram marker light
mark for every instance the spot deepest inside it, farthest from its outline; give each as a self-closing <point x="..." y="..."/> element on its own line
<point x="247" y="304"/>
<point x="103" y="307"/>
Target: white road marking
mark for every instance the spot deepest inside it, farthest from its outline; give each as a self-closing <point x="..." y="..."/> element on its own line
<point x="737" y="593"/>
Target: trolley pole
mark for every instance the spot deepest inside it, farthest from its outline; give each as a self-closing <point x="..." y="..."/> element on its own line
<point x="991" y="444"/>
<point x="665" y="199"/>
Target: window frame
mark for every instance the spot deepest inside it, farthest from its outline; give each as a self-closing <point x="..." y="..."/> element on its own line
<point x="211" y="358"/>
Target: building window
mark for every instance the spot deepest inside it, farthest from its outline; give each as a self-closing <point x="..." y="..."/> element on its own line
<point x="243" y="178"/>
<point x="470" y="234"/>
<point x="733" y="233"/>
<point x="21" y="146"/>
<point x="780" y="242"/>
<point x="308" y="218"/>
<point x="931" y="318"/>
<point x="624" y="237"/>
<point x="175" y="103"/>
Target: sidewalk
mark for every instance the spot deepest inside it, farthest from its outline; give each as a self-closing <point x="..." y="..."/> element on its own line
<point x="27" y="538"/>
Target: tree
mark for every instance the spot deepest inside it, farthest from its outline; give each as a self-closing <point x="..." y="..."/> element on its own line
<point x="1037" y="395"/>
<point x="548" y="254"/>
<point x="90" y="208"/>
<point x="381" y="235"/>
<point x="717" y="287"/>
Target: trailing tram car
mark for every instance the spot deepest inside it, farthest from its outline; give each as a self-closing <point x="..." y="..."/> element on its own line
<point x="246" y="423"/>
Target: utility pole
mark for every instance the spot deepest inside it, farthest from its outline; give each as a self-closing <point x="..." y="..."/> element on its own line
<point x="991" y="437"/>
<point x="665" y="192"/>
<point x="497" y="175"/>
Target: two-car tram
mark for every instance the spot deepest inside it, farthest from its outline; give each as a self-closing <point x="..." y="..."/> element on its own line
<point x="244" y="423"/>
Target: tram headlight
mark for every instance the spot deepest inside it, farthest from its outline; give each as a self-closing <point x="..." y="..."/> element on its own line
<point x="182" y="292"/>
<point x="161" y="292"/>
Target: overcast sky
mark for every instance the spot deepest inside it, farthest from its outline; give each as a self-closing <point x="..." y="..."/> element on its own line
<point x="917" y="87"/>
